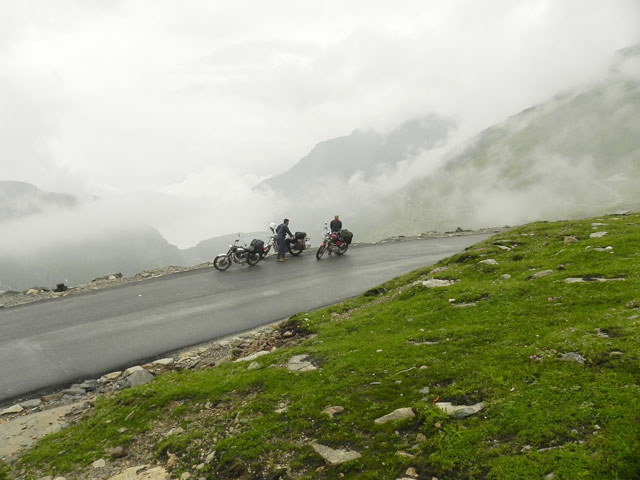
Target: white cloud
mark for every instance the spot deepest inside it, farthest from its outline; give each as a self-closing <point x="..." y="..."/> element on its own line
<point x="146" y="96"/>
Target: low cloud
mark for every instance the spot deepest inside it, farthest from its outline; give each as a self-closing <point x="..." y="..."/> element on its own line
<point x="172" y="114"/>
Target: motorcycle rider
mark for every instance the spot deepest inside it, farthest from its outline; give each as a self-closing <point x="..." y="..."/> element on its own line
<point x="336" y="224"/>
<point x="281" y="235"/>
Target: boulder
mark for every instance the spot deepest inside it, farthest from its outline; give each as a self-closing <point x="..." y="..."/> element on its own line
<point x="139" y="377"/>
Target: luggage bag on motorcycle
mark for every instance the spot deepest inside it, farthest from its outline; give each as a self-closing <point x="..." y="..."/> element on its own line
<point x="346" y="236"/>
<point x="257" y="245"/>
<point x="299" y="238"/>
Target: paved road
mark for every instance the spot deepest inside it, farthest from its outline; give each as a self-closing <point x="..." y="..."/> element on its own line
<point x="52" y="343"/>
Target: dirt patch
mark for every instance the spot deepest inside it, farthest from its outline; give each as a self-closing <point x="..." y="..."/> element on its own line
<point x="24" y="431"/>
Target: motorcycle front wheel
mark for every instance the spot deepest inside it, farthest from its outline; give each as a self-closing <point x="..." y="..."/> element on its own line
<point x="320" y="251"/>
<point x="266" y="251"/>
<point x="222" y="262"/>
<point x="253" y="258"/>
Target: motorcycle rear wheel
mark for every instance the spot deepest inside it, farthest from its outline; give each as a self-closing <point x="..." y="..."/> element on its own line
<point x="342" y="249"/>
<point x="293" y="249"/>
<point x="222" y="262"/>
<point x="320" y="251"/>
<point x="253" y="258"/>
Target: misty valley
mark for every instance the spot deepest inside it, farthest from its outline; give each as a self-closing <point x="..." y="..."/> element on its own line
<point x="575" y="155"/>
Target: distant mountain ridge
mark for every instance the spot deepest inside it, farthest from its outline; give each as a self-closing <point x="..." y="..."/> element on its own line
<point x="125" y="250"/>
<point x="576" y="155"/>
<point x="18" y="199"/>
<point x="364" y="152"/>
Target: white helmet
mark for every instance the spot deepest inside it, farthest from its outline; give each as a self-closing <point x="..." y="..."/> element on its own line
<point x="272" y="226"/>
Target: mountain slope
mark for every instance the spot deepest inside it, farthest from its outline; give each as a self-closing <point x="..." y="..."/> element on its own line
<point x="577" y="154"/>
<point x="366" y="153"/>
<point x="19" y="199"/>
<point x="127" y="252"/>
<point x="68" y="257"/>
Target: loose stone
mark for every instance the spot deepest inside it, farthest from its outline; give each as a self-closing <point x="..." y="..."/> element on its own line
<point x="299" y="363"/>
<point x="253" y="356"/>
<point x="399" y="414"/>
<point x="460" y="411"/>
<point x="36" y="402"/>
<point x="332" y="411"/>
<point x="12" y="409"/>
<point x="435" y="282"/>
<point x="489" y="261"/>
<point x="572" y="357"/>
<point x="335" y="457"/>
<point x="542" y="273"/>
<point x="139" y="377"/>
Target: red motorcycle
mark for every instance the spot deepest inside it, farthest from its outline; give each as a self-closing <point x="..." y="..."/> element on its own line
<point x="332" y="242"/>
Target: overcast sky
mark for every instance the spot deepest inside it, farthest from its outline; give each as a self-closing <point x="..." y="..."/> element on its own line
<point x="175" y="109"/>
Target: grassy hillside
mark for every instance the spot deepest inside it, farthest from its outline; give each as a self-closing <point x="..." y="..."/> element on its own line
<point x="553" y="364"/>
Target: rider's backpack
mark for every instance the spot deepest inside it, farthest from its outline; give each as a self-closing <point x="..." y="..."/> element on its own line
<point x="257" y="245"/>
<point x="346" y="236"/>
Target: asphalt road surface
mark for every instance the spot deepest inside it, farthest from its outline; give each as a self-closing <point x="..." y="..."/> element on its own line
<point x="53" y="343"/>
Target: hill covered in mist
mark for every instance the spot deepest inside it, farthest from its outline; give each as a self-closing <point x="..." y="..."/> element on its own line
<point x="576" y="155"/>
<point x="19" y="199"/>
<point x="32" y="253"/>
<point x="52" y="246"/>
<point x="364" y="154"/>
<point x="127" y="252"/>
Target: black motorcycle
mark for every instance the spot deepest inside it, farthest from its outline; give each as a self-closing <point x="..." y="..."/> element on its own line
<point x="297" y="244"/>
<point x="246" y="254"/>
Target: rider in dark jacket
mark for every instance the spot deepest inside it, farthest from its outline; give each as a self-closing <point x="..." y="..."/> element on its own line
<point x="281" y="234"/>
<point x="336" y="225"/>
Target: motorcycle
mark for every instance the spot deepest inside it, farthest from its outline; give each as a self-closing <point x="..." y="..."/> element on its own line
<point x="297" y="244"/>
<point x="271" y="243"/>
<point x="333" y="243"/>
<point x="239" y="254"/>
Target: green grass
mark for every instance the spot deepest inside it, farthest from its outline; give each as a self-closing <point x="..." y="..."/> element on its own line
<point x="376" y="352"/>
